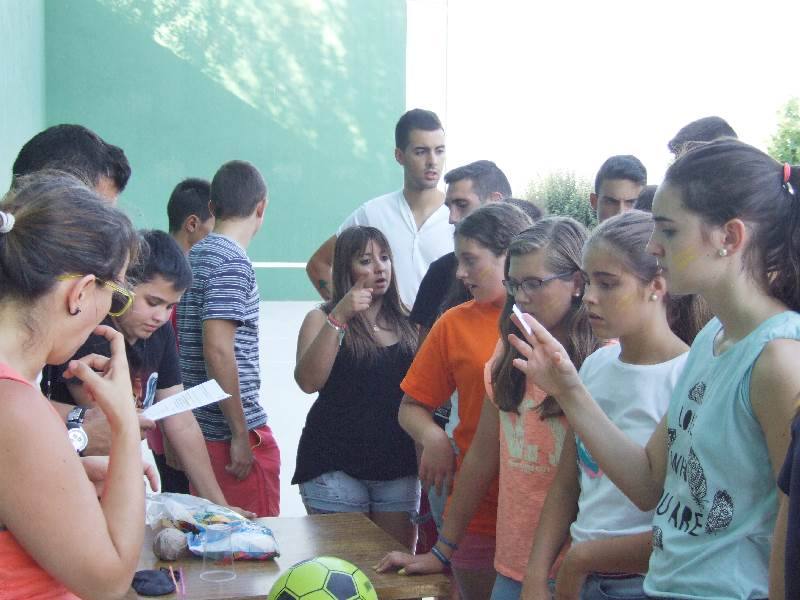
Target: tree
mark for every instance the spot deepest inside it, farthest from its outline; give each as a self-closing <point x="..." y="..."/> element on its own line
<point x="785" y="146"/>
<point x="563" y="193"/>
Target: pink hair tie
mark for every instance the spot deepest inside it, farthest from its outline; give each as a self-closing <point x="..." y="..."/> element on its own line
<point x="787" y="172"/>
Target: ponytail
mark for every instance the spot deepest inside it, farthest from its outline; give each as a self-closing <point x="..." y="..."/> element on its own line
<point x="784" y="260"/>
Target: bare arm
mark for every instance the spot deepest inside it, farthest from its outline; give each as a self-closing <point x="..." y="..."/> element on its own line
<point x="186" y="438"/>
<point x="559" y="511"/>
<point x="638" y="472"/>
<point x="95" y="425"/>
<point x="317" y="347"/>
<point x="480" y="467"/>
<point x="437" y="462"/>
<point x="218" y="352"/>
<point x="318" y="341"/>
<point x="623" y="554"/>
<point x="46" y="498"/>
<point x="318" y="268"/>
<point x="774" y="391"/>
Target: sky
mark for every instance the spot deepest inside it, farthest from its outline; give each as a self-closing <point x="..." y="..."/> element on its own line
<point x="544" y="86"/>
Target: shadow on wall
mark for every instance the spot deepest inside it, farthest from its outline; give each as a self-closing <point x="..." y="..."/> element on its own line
<point x="252" y="49"/>
<point x="307" y="90"/>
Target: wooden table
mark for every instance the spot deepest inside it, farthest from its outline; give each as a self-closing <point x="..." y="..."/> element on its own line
<point x="351" y="536"/>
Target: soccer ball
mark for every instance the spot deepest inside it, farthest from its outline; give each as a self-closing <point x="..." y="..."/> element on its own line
<point x="323" y="578"/>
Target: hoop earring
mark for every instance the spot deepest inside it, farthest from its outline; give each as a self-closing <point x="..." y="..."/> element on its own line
<point x="75" y="312"/>
<point x="722" y="253"/>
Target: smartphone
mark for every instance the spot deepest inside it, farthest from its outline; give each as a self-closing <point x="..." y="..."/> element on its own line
<point x="522" y="321"/>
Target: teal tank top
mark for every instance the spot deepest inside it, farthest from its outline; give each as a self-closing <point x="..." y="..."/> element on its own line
<point x="712" y="528"/>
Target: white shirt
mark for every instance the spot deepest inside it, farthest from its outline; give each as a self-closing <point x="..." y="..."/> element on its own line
<point x="635" y="398"/>
<point x="413" y="250"/>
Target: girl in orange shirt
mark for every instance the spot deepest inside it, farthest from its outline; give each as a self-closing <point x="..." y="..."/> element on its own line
<point x="452" y="359"/>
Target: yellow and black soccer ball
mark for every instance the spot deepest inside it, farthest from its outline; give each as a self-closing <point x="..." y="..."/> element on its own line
<point x="323" y="578"/>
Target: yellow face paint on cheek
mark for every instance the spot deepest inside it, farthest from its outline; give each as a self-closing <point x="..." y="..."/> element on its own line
<point x="684" y="258"/>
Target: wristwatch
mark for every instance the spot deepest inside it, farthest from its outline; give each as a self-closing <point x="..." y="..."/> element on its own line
<point x="75" y="431"/>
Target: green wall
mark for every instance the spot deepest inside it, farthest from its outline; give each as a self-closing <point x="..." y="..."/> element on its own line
<point x="21" y="79"/>
<point x="307" y="90"/>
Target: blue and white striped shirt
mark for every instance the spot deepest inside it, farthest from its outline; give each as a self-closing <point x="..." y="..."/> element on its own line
<point x="223" y="287"/>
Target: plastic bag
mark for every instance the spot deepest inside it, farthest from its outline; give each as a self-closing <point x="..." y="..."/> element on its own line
<point x="191" y="515"/>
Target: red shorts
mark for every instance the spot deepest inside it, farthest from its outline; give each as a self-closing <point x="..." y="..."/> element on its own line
<point x="260" y="492"/>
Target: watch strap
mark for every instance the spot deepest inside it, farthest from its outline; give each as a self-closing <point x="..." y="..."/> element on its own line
<point x="76" y="416"/>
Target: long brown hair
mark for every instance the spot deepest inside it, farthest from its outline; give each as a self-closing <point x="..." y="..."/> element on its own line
<point x="350" y="244"/>
<point x="561" y="239"/>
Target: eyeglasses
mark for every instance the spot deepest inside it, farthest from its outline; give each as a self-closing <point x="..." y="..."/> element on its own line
<point x="531" y="285"/>
<point x="121" y="298"/>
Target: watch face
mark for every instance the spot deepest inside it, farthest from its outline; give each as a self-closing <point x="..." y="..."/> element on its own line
<point x="78" y="438"/>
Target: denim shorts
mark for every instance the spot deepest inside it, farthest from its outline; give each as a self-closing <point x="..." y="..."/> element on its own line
<point x="337" y="492"/>
<point x="598" y="587"/>
<point x="506" y="588"/>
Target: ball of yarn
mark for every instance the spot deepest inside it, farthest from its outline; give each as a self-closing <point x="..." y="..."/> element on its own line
<point x="170" y="544"/>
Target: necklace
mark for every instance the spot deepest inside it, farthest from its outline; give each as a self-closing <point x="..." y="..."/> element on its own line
<point x="374" y="326"/>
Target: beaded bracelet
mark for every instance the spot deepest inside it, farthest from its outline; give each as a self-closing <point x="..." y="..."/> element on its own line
<point x="438" y="554"/>
<point x="452" y="545"/>
<point x="332" y="320"/>
<point x="339" y="327"/>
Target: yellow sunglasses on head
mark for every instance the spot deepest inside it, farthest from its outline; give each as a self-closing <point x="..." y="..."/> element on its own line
<point x="121" y="298"/>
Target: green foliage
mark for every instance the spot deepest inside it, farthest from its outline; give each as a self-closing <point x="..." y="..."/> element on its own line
<point x="785" y="146"/>
<point x="563" y="193"/>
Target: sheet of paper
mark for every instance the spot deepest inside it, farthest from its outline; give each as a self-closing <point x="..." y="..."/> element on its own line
<point x="200" y="395"/>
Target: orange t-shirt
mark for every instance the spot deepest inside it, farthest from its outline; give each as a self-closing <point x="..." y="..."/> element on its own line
<point x="529" y="452"/>
<point x="452" y="359"/>
<point x="20" y="575"/>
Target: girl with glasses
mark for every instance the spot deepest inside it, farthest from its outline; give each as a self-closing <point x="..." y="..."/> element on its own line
<point x="521" y="429"/>
<point x="51" y="226"/>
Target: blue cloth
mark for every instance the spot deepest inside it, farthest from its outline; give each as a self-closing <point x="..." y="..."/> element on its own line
<point x="223" y="287"/>
<point x="598" y="587"/>
<point x="336" y="492"/>
<point x="506" y="588"/>
<point x="712" y="528"/>
<point x="789" y="482"/>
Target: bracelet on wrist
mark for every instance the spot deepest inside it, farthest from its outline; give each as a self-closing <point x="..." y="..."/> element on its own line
<point x="441" y="557"/>
<point x="452" y="545"/>
<point x="336" y="323"/>
<point x="338" y="327"/>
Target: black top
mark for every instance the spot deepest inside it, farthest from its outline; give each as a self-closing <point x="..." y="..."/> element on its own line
<point x="353" y="427"/>
<point x="153" y="360"/>
<point x="433" y="290"/>
<point x="789" y="482"/>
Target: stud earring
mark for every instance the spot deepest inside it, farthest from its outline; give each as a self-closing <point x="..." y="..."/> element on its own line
<point x="653" y="297"/>
<point x="722" y="253"/>
<point x="75" y="312"/>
